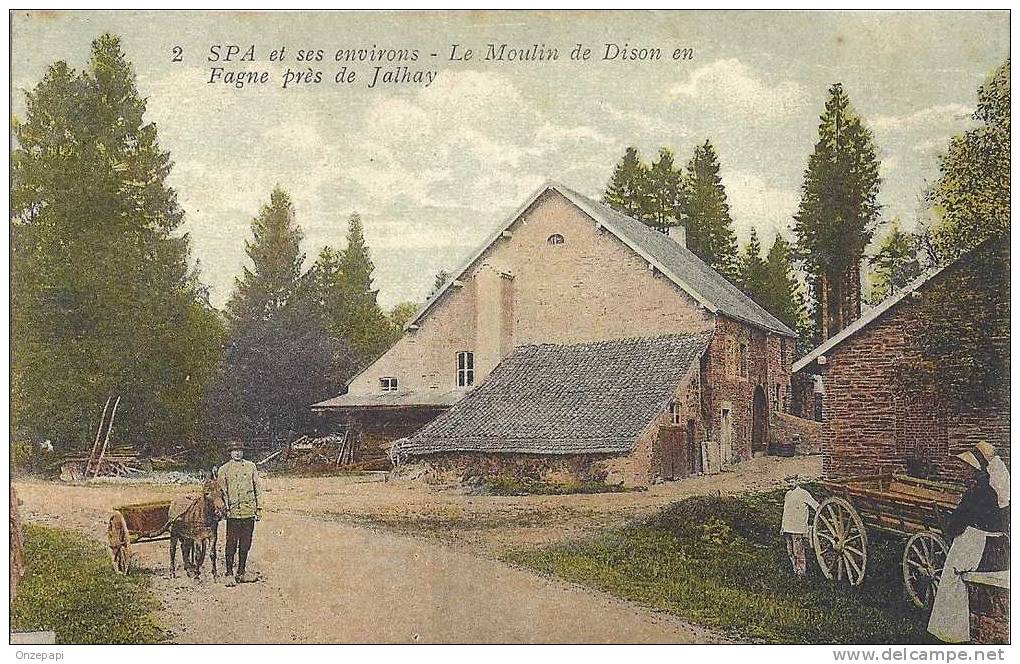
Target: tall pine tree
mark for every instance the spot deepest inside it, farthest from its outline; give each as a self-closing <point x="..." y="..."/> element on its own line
<point x="706" y="213"/>
<point x="752" y="272"/>
<point x="838" y="213"/>
<point x="627" y="188"/>
<point x="276" y="257"/>
<point x="971" y="197"/>
<point x="783" y="296"/>
<point x="664" y="192"/>
<point x="103" y="300"/>
<point x="281" y="356"/>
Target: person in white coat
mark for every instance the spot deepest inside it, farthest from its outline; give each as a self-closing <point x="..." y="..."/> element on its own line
<point x="797" y="506"/>
<point x="983" y="513"/>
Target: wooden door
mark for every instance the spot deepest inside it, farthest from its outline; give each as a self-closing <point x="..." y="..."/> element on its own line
<point x="672" y="451"/>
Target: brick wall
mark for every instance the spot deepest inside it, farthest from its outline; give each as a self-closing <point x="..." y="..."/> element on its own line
<point x="878" y="419"/>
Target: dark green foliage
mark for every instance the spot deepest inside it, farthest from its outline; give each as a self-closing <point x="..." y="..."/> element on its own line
<point x="282" y="355"/>
<point x="971" y="197"/>
<point x="838" y="210"/>
<point x="661" y="196"/>
<point x="275" y="253"/>
<point x="71" y="587"/>
<point x="722" y="562"/>
<point x="706" y="213"/>
<point x="399" y="316"/>
<point x="340" y="283"/>
<point x="628" y="185"/>
<point x="441" y="278"/>
<point x="964" y="333"/>
<point x="895" y="264"/>
<point x="783" y="295"/>
<point x="103" y="301"/>
<point x="665" y="193"/>
<point x="752" y="272"/>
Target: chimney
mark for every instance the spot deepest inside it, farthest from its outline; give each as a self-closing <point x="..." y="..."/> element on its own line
<point x="678" y="234"/>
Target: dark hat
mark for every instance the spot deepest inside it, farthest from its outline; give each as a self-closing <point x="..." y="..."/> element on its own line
<point x="236" y="445"/>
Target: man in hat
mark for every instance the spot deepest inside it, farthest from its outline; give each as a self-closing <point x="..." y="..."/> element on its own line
<point x="983" y="513"/>
<point x="796" y="506"/>
<point x="242" y="492"/>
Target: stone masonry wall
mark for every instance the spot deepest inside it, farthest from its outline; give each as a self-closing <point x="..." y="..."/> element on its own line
<point x="877" y="422"/>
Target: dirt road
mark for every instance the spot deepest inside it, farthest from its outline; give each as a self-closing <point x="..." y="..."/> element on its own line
<point x="324" y="580"/>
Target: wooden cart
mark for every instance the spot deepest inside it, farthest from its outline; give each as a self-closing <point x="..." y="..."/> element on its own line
<point x="136" y="523"/>
<point x="895" y="505"/>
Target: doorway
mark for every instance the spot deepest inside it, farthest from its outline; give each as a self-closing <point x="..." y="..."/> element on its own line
<point x="672" y="452"/>
<point x="759" y="422"/>
<point x="726" y="436"/>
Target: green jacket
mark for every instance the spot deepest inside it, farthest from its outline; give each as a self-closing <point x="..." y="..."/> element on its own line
<point x="242" y="488"/>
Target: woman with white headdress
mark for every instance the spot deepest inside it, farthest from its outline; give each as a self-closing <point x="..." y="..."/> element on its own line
<point x="983" y="513"/>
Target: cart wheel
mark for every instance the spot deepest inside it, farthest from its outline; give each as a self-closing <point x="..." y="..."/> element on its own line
<point x="923" y="559"/>
<point x="840" y="541"/>
<point x="120" y="543"/>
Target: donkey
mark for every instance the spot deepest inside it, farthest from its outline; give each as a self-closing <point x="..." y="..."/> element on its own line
<point x="194" y="521"/>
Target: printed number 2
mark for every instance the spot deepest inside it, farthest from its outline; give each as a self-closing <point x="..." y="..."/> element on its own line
<point x="178" y="52"/>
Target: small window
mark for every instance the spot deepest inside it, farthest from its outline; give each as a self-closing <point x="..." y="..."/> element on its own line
<point x="674" y="413"/>
<point x="776" y="398"/>
<point x="388" y="384"/>
<point x="465" y="368"/>
<point x="743" y="360"/>
<point x="555" y="238"/>
<point x="819" y="410"/>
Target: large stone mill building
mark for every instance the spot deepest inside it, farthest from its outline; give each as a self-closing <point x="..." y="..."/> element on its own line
<point x="577" y="340"/>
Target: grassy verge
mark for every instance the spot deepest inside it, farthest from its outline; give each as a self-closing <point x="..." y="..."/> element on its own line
<point x="502" y="485"/>
<point x="70" y="587"/>
<point x="721" y="562"/>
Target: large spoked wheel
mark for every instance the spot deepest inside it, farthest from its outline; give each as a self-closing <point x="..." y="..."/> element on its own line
<point x="923" y="560"/>
<point x="840" y="541"/>
<point x="120" y="543"/>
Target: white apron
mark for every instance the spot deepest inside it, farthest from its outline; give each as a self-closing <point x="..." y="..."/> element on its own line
<point x="950" y="616"/>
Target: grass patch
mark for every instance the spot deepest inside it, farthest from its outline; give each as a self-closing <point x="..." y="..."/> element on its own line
<point x="71" y="587"/>
<point x="505" y="485"/>
<point x="721" y="562"/>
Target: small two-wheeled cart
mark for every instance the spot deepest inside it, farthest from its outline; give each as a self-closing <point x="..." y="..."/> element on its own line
<point x="913" y="509"/>
<point x="135" y="524"/>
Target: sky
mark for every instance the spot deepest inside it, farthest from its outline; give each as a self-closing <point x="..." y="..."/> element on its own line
<point x="434" y="169"/>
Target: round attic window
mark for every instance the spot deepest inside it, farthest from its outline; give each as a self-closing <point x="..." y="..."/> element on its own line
<point x="555" y="238"/>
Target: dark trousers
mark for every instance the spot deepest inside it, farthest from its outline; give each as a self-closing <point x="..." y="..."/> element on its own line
<point x="239" y="534"/>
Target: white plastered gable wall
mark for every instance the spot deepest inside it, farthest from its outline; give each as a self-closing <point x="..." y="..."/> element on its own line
<point x="524" y="290"/>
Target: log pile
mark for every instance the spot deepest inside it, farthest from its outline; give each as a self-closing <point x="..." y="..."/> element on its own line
<point x="335" y="451"/>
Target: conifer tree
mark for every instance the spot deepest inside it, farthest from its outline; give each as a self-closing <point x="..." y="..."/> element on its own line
<point x="104" y="302"/>
<point x="783" y="296"/>
<point x="752" y="272"/>
<point x="838" y="212"/>
<point x="664" y="192"/>
<point x="706" y="213"/>
<point x="627" y="188"/>
<point x="275" y="253"/>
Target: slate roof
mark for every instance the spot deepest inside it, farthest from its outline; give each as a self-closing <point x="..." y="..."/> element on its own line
<point x="392" y="400"/>
<point x="554" y="399"/>
<point x="678" y="263"/>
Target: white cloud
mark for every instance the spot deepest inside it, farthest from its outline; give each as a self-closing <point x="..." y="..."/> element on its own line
<point x="731" y="87"/>
<point x="924" y="119"/>
<point x="756" y="204"/>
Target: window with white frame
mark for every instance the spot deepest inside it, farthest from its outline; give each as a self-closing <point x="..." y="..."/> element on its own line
<point x="465" y="368"/>
<point x="388" y="384"/>
<point x="555" y="238"/>
<point x="674" y="413"/>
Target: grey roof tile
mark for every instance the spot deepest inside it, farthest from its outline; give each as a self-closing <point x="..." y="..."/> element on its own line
<point x="554" y="399"/>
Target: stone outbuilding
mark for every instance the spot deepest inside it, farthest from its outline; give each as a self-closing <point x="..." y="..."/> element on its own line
<point x="919" y="378"/>
<point x="565" y="270"/>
